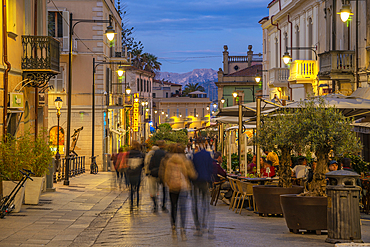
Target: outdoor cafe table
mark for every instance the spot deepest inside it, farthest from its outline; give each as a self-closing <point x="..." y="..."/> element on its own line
<point x="260" y="181"/>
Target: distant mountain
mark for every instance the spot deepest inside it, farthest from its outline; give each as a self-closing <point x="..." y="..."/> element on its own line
<point x="197" y="75"/>
<point x="205" y="77"/>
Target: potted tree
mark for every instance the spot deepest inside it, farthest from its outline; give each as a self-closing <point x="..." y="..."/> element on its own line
<point x="39" y="165"/>
<point x="279" y="131"/>
<point x="15" y="154"/>
<point x="322" y="129"/>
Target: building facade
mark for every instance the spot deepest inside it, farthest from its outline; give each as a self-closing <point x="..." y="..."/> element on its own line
<point x="30" y="58"/>
<point x="238" y="75"/>
<point x="321" y="46"/>
<point x="88" y="43"/>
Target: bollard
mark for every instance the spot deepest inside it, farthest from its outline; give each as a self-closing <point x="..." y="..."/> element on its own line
<point x="50" y="177"/>
<point x="343" y="207"/>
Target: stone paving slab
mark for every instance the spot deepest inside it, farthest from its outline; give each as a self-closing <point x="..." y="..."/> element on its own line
<point x="101" y="217"/>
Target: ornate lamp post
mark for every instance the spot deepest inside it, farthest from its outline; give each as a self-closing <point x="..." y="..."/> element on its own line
<point x="58" y="104"/>
<point x="110" y="36"/>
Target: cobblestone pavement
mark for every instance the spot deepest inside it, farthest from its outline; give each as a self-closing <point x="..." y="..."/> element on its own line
<point x="93" y="212"/>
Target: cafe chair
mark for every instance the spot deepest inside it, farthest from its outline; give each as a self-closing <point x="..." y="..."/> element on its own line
<point x="233" y="197"/>
<point x="216" y="191"/>
<point x="246" y="191"/>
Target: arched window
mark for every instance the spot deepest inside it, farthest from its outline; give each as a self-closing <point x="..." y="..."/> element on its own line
<point x="138" y="84"/>
<point x="53" y="135"/>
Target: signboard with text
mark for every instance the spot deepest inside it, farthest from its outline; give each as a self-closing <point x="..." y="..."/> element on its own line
<point x="135" y="126"/>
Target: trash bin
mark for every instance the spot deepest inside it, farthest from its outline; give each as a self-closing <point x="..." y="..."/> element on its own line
<point x="343" y="207"/>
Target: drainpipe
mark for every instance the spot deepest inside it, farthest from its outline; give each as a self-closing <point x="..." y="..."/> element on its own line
<point x="291" y="37"/>
<point x="277" y="26"/>
<point x="291" y="52"/>
<point x="36" y="89"/>
<point x="8" y="67"/>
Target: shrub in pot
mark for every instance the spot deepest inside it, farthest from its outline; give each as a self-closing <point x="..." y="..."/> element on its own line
<point x="41" y="161"/>
<point x="322" y="129"/>
<point x="15" y="154"/>
<point x="278" y="132"/>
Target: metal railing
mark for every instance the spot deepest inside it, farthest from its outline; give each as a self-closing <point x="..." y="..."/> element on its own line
<point x="76" y="167"/>
<point x="334" y="61"/>
<point x="40" y="53"/>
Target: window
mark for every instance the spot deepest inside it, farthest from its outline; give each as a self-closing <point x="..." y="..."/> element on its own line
<point x="297" y="41"/>
<point x="153" y="95"/>
<point x="168" y="112"/>
<point x="144" y="86"/>
<point x="147" y="86"/>
<point x="166" y="95"/>
<point x="276" y="53"/>
<point x="137" y="84"/>
<point x="141" y="84"/>
<point x="186" y="112"/>
<point x="310" y="41"/>
<point x="55" y="24"/>
<point x="177" y="112"/>
<point x="58" y="81"/>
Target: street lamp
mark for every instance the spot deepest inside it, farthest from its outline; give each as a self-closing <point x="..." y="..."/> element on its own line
<point x="128" y="90"/>
<point x="162" y="112"/>
<point x="58" y="104"/>
<point x="95" y="65"/>
<point x="155" y="111"/>
<point x="222" y="100"/>
<point x="214" y="105"/>
<point x="286" y="58"/>
<point x="109" y="33"/>
<point x="344" y="13"/>
<point x="207" y="108"/>
<point x="180" y="115"/>
<point x="235" y="94"/>
<point x="257" y="78"/>
<point x="120" y="71"/>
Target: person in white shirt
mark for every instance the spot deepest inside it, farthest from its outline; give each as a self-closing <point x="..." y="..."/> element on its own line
<point x="300" y="171"/>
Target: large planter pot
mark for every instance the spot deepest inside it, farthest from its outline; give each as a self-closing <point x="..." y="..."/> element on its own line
<point x="8" y="187"/>
<point x="33" y="190"/>
<point x="304" y="212"/>
<point x="267" y="198"/>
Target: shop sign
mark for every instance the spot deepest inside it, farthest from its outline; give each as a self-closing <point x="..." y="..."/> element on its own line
<point x="136" y="113"/>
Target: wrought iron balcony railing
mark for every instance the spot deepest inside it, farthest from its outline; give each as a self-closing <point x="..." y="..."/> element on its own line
<point x="337" y="65"/>
<point x="40" y="54"/>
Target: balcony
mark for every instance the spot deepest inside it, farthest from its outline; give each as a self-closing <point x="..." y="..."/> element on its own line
<point x="337" y="65"/>
<point x="40" y="55"/>
<point x="303" y="71"/>
<point x="279" y="77"/>
<point x="119" y="101"/>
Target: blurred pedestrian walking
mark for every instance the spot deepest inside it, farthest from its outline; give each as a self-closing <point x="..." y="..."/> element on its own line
<point x="135" y="164"/>
<point x="154" y="179"/>
<point x="203" y="164"/>
<point x="177" y="172"/>
<point x="120" y="165"/>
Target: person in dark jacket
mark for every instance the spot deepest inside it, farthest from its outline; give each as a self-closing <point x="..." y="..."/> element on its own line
<point x="135" y="165"/>
<point x="204" y="166"/>
<point x="155" y="181"/>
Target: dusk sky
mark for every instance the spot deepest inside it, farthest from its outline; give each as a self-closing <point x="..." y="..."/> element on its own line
<point x="187" y="35"/>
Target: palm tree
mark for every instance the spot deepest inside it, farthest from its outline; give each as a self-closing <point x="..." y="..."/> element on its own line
<point x="192" y="87"/>
<point x="151" y="63"/>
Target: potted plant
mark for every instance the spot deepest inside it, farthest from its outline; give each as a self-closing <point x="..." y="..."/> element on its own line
<point x="278" y="132"/>
<point x="15" y="154"/>
<point x="41" y="161"/>
<point x="322" y="129"/>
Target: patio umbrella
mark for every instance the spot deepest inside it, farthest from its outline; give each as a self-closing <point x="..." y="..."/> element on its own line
<point x="348" y="105"/>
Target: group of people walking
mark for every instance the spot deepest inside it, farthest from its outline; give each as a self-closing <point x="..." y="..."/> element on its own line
<point x="175" y="174"/>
